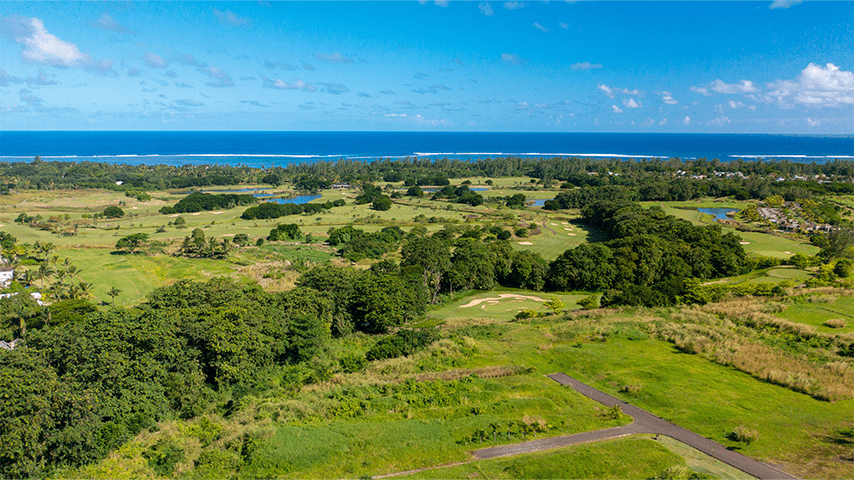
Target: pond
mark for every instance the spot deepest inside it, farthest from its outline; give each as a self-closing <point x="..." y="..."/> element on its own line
<point x="541" y="202"/>
<point x="298" y="200"/>
<point x="718" y="213"/>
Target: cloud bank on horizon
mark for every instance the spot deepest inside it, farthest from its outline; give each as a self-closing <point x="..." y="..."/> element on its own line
<point x="734" y="67"/>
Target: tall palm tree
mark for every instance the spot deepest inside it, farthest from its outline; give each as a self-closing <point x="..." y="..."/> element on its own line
<point x="45" y="270"/>
<point x="114" y="292"/>
<point x="84" y="290"/>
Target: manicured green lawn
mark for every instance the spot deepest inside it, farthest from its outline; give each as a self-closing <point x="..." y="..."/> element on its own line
<point x="816" y="314"/>
<point x="501" y="305"/>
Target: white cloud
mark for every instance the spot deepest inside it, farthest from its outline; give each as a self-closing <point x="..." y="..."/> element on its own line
<point x="616" y="109"/>
<point x="154" y="61"/>
<point x="563" y="25"/>
<point x="606" y="90"/>
<point x="720" y="121"/>
<point x="686" y="120"/>
<point x="815" y="86"/>
<point x="668" y="99"/>
<point x="189" y="103"/>
<point x="512" y="59"/>
<point x="662" y="122"/>
<point x="222" y="79"/>
<point x="783" y="4"/>
<point x="333" y="58"/>
<point x="626" y="91"/>
<point x="585" y="66"/>
<point x="486" y="9"/>
<point x="441" y="3"/>
<point x="631" y="103"/>
<point x="228" y="17"/>
<point x="296" y="84"/>
<point x="733" y="104"/>
<point x="813" y="123"/>
<point x="44" y="48"/>
<point x="700" y="90"/>
<point x="540" y="27"/>
<point x="648" y="122"/>
<point x="746" y="86"/>
<point x="514" y="5"/>
<point x="107" y="23"/>
<point x="334" y="88"/>
<point x="40" y="80"/>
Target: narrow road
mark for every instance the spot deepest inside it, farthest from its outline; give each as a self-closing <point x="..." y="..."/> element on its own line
<point x="644" y="422"/>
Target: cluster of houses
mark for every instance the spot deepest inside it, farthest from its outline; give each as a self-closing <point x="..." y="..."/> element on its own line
<point x="777" y="217"/>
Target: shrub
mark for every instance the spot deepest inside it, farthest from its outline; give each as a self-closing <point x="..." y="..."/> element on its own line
<point x="743" y="434"/>
<point x="525" y="314"/>
<point x="589" y="303"/>
<point x="835" y="323"/>
<point x="404" y="342"/>
<point x="114" y="212"/>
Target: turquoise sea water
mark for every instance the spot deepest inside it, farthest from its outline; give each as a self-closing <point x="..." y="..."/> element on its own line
<point x="265" y="149"/>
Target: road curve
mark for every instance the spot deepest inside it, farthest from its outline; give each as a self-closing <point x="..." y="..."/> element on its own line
<point x="644" y="422"/>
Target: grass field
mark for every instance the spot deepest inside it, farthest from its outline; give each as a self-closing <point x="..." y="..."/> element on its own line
<point x="500" y="305"/>
<point x="818" y="313"/>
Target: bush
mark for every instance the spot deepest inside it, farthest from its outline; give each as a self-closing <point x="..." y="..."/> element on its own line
<point x="114" y="212"/>
<point x="381" y="203"/>
<point x="836" y="323"/>
<point x="589" y="303"/>
<point x="743" y="434"/>
<point x="404" y="342"/>
<point x="526" y="314"/>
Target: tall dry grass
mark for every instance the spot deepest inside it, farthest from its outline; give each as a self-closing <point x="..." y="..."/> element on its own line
<point x="831" y="381"/>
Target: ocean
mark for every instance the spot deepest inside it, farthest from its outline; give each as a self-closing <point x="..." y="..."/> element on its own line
<point x="265" y="149"/>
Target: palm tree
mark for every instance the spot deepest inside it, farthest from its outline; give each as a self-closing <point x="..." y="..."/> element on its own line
<point x="45" y="270"/>
<point x="71" y="270"/>
<point x="84" y="290"/>
<point x="114" y="292"/>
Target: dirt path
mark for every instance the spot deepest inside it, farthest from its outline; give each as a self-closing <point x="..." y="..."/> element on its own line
<point x="645" y="422"/>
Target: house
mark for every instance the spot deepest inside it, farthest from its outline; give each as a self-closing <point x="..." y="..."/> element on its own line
<point x="340" y="186"/>
<point x="7" y="274"/>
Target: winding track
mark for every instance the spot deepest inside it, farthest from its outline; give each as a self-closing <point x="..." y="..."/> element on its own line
<point x="644" y="422"/>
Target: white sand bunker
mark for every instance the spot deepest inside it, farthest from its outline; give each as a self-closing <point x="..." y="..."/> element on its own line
<point x="525" y="243"/>
<point x="786" y="252"/>
<point x="173" y="216"/>
<point x="567" y="228"/>
<point x="554" y="224"/>
<point x="216" y="213"/>
<point x="744" y="243"/>
<point x="565" y="223"/>
<point x="571" y="234"/>
<point x="499" y="298"/>
<point x="197" y="213"/>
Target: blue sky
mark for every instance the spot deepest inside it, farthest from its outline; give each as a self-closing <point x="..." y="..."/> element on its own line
<point x="677" y="66"/>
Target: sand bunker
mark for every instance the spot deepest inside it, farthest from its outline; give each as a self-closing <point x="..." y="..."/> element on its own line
<point x="565" y="223"/>
<point x="499" y="298"/>
<point x="554" y="224"/>
<point x="525" y="243"/>
<point x="173" y="216"/>
<point x="786" y="252"/>
<point x="744" y="243"/>
<point x="197" y="213"/>
<point x="567" y="228"/>
<point x="571" y="234"/>
<point x="216" y="213"/>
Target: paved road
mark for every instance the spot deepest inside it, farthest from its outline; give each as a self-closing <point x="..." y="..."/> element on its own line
<point x="645" y="422"/>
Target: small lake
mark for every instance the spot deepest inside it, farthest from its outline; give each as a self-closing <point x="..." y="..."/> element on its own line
<point x="541" y="202"/>
<point x="297" y="200"/>
<point x="718" y="213"/>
